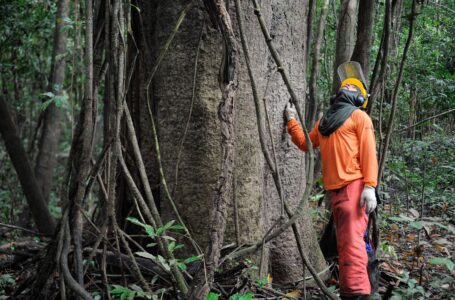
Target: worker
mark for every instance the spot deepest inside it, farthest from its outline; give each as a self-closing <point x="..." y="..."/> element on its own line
<point x="345" y="136"/>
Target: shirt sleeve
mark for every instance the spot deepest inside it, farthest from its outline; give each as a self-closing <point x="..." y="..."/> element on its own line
<point x="367" y="151"/>
<point x="298" y="137"/>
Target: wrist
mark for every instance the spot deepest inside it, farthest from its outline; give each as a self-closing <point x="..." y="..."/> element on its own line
<point x="291" y="118"/>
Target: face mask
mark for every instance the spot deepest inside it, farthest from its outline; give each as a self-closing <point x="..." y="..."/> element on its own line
<point x="353" y="97"/>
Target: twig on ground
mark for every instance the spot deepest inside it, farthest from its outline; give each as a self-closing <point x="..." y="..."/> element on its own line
<point x="23" y="229"/>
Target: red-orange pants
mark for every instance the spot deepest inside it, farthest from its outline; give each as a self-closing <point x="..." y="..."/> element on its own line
<point x="351" y="223"/>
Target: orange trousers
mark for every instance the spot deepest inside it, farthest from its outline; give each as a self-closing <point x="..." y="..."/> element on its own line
<point x="351" y="223"/>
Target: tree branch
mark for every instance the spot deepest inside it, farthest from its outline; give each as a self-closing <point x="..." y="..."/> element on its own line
<point x="426" y="120"/>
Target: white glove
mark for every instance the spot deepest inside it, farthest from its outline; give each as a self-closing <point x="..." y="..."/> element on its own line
<point x="290" y="111"/>
<point x="368" y="198"/>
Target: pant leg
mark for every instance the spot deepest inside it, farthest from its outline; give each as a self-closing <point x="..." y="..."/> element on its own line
<point x="351" y="222"/>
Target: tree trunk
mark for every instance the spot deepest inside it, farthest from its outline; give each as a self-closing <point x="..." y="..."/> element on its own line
<point x="81" y="155"/>
<point x="21" y="162"/>
<point x="46" y="159"/>
<point x="285" y="259"/>
<point x="362" y="49"/>
<point x="412" y="112"/>
<point x="315" y="66"/>
<point x="198" y="161"/>
<point x="344" y="37"/>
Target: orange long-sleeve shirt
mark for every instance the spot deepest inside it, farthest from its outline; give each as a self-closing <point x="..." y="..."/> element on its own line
<point x="347" y="154"/>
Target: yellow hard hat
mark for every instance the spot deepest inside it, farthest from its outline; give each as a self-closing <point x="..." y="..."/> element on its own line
<point x="357" y="83"/>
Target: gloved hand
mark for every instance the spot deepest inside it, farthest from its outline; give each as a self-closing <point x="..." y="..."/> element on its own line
<point x="368" y="198"/>
<point x="290" y="111"/>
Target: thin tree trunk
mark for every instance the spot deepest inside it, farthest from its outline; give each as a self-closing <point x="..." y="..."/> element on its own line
<point x="309" y="25"/>
<point x="413" y="16"/>
<point x="21" y="162"/>
<point x="382" y="59"/>
<point x="82" y="152"/>
<point x="381" y="64"/>
<point x="46" y="159"/>
<point x="313" y="101"/>
<point x="412" y="112"/>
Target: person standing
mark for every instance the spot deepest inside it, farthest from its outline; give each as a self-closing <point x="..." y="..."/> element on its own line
<point x="345" y="136"/>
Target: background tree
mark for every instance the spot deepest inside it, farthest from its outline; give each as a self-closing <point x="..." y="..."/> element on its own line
<point x="345" y="36"/>
<point x="46" y="159"/>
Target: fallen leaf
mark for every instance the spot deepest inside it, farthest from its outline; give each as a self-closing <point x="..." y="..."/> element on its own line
<point x="411" y="237"/>
<point x="441" y="242"/>
<point x="442" y="249"/>
<point x="293" y="294"/>
<point x="389" y="267"/>
<point x="269" y="280"/>
<point x="413" y="213"/>
<point x="408" y="253"/>
<point x="427" y="229"/>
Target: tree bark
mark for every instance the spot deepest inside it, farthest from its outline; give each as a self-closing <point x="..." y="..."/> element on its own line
<point x="203" y="281"/>
<point x="412" y="112"/>
<point x="344" y="37"/>
<point x="81" y="149"/>
<point x="315" y="65"/>
<point x="388" y="47"/>
<point x="383" y="154"/>
<point x="21" y="162"/>
<point x="198" y="164"/>
<point x="46" y="159"/>
<point x="381" y="62"/>
<point x="364" y="41"/>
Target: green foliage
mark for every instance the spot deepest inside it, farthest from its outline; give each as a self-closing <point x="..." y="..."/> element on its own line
<point x="262" y="281"/>
<point x="443" y="261"/>
<point x="410" y="290"/>
<point x="237" y="296"/>
<point x="443" y="282"/>
<point x="387" y="250"/>
<point x="172" y="245"/>
<point x="425" y="166"/>
<point x="6" y="280"/>
<point x="133" y="291"/>
<point x="26" y="35"/>
<point x="11" y="196"/>
<point x="212" y="296"/>
<point x="58" y="100"/>
<point x="426" y="222"/>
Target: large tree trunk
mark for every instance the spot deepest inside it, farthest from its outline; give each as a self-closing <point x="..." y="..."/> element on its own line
<point x="21" y="162"/>
<point x="46" y="159"/>
<point x="285" y="259"/>
<point x="198" y="160"/>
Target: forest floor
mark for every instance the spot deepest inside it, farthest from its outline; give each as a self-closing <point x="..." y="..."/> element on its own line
<point x="418" y="251"/>
<point x="415" y="262"/>
<point x="415" y="255"/>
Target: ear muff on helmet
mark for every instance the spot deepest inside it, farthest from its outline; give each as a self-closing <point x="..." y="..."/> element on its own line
<point x="359" y="100"/>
